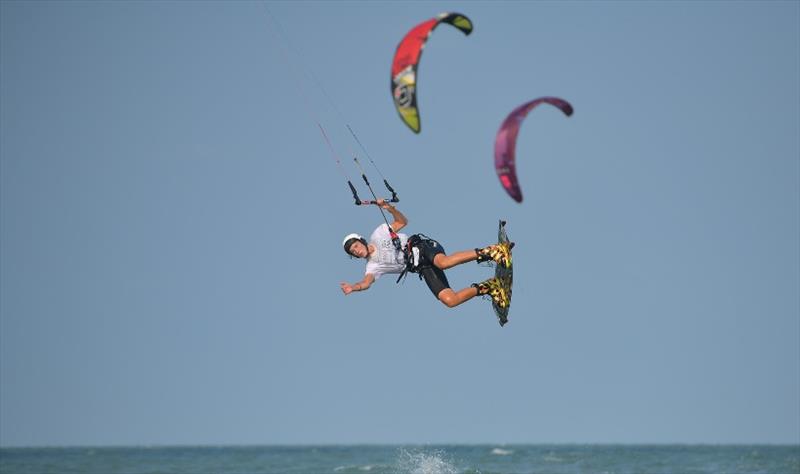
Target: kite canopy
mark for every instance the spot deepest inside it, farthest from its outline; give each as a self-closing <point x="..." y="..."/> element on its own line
<point x="506" y="140"/>
<point x="406" y="61"/>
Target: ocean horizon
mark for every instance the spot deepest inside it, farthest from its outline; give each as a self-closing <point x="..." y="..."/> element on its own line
<point x="484" y="458"/>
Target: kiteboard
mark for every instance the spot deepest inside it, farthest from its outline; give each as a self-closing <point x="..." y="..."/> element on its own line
<point x="505" y="275"/>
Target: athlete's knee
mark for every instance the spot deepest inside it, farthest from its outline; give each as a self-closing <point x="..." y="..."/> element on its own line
<point x="448" y="298"/>
<point x="439" y="261"/>
<point x="450" y="302"/>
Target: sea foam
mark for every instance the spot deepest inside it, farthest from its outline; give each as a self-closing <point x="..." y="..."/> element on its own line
<point x="421" y="462"/>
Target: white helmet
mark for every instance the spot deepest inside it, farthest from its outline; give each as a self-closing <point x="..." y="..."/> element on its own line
<point x="348" y="241"/>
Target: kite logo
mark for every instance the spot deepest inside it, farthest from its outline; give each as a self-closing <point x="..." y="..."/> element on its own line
<point x="402" y="95"/>
<point x="404" y="88"/>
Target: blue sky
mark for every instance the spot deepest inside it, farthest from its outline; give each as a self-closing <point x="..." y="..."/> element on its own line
<point x="171" y="223"/>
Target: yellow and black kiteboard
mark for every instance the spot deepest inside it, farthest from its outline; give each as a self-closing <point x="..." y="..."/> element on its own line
<point x="505" y="275"/>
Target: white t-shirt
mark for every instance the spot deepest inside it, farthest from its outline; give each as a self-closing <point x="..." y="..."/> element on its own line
<point x="386" y="258"/>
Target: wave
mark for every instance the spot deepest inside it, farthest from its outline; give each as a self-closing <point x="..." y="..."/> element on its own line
<point x="502" y="452"/>
<point x="365" y="468"/>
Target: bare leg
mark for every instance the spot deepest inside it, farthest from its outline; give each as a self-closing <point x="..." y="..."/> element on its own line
<point x="452" y="298"/>
<point x="443" y="262"/>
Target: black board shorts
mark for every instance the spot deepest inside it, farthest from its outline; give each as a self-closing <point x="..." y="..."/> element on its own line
<point x="434" y="277"/>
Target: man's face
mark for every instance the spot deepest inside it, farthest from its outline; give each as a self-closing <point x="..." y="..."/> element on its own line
<point x="358" y="249"/>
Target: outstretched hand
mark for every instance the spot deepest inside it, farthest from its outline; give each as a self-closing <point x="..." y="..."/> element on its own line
<point x="346" y="288"/>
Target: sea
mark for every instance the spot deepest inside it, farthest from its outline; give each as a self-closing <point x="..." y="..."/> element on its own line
<point x="422" y="459"/>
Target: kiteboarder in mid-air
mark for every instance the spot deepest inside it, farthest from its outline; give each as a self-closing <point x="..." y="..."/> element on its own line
<point x="388" y="251"/>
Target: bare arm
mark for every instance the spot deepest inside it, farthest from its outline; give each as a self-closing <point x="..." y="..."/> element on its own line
<point x="362" y="285"/>
<point x="400" y="220"/>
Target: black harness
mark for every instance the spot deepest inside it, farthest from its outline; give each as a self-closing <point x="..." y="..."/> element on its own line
<point x="408" y="255"/>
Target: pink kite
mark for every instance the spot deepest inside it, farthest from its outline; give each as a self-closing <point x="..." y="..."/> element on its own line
<point x="506" y="140"/>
